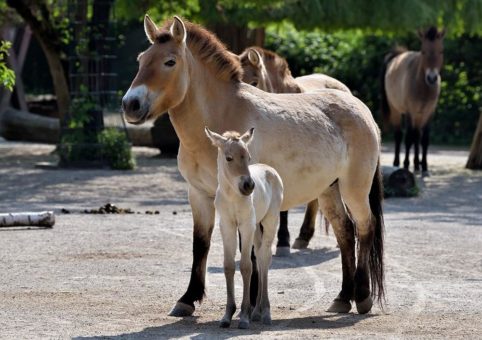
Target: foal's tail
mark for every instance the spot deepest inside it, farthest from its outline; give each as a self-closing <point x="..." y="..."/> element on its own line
<point x="375" y="261"/>
<point x="384" y="108"/>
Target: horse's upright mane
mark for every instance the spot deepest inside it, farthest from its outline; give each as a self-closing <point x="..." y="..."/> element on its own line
<point x="206" y="46"/>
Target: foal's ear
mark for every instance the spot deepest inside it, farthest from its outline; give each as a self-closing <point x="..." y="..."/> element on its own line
<point x="248" y="136"/>
<point x="178" y="30"/>
<point x="151" y="29"/>
<point x="254" y="57"/>
<point x="215" y="138"/>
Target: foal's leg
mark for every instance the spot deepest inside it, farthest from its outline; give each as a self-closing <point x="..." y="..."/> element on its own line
<point x="333" y="208"/>
<point x="203" y="216"/>
<point x="408" y="142"/>
<point x="425" y="142"/>
<point x="283" y="246"/>
<point x="416" y="144"/>
<point x="247" y="235"/>
<point x="398" y="141"/>
<point x="228" y="233"/>
<point x="264" y="259"/>
<point x="308" y="227"/>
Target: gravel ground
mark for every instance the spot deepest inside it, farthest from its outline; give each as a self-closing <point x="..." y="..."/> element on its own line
<point x="117" y="276"/>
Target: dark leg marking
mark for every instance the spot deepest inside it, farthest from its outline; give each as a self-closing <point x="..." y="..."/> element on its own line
<point x="283" y="232"/>
<point x="408" y="142"/>
<point x="398" y="141"/>
<point x="425" y="143"/>
<point x="416" y="144"/>
<point x="308" y="227"/>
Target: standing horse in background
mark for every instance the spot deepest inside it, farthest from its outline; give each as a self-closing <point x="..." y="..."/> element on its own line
<point x="248" y="200"/>
<point x="410" y="84"/>
<point x="323" y="146"/>
<point x="270" y="72"/>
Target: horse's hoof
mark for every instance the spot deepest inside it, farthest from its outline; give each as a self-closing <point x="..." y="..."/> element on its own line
<point x="339" y="306"/>
<point x="243" y="324"/>
<point x="256" y="315"/>
<point x="181" y="309"/>
<point x="267" y="319"/>
<point x="224" y="323"/>
<point x="364" y="306"/>
<point x="300" y="244"/>
<point x="425" y="173"/>
<point x="283" y="251"/>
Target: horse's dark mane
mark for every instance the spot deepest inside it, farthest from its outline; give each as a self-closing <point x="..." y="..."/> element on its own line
<point x="208" y="48"/>
<point x="432" y="33"/>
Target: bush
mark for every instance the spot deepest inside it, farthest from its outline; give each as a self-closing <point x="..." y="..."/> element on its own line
<point x="117" y="149"/>
<point x="355" y="58"/>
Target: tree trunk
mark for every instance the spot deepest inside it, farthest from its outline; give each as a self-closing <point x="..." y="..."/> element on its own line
<point x="59" y="80"/>
<point x="475" y="157"/>
<point x="237" y="38"/>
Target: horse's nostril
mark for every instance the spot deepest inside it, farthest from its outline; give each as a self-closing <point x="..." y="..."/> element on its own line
<point x="135" y="105"/>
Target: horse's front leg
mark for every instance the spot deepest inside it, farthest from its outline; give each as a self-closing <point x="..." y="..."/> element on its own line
<point x="203" y="217"/>
<point x="245" y="266"/>
<point x="308" y="227"/>
<point x="228" y="233"/>
<point x="283" y="245"/>
<point x="416" y="149"/>
<point x="408" y="142"/>
<point x="425" y="142"/>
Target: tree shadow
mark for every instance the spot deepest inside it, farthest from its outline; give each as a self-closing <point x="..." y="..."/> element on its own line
<point x="190" y="327"/>
<point x="297" y="259"/>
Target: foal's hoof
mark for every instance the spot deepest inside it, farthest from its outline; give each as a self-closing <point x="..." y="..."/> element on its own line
<point x="243" y="324"/>
<point x="282" y="251"/>
<point x="181" y="309"/>
<point x="364" y="306"/>
<point x="300" y="244"/>
<point x="339" y="306"/>
<point x="425" y="173"/>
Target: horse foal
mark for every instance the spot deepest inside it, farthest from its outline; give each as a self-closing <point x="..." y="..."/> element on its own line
<point x="248" y="200"/>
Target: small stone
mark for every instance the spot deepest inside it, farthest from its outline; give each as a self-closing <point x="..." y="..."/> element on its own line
<point x="174" y="212"/>
<point x="65" y="211"/>
<point x="156" y="212"/>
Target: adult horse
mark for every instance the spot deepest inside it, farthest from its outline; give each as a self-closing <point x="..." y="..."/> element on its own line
<point x="410" y="84"/>
<point x="270" y="72"/>
<point x="324" y="147"/>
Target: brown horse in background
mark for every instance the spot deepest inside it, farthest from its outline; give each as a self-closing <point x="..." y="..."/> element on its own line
<point x="270" y="72"/>
<point x="410" y="85"/>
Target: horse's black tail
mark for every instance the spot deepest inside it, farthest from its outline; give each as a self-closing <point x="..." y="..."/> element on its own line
<point x="384" y="108"/>
<point x="375" y="261"/>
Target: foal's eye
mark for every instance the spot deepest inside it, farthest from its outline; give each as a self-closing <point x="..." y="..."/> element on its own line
<point x="229" y="158"/>
<point x="170" y="63"/>
<point x="254" y="83"/>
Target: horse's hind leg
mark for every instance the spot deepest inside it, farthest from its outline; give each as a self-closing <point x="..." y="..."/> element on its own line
<point x="398" y="142"/>
<point x="425" y="143"/>
<point x="283" y="245"/>
<point x="308" y="227"/>
<point x="333" y="208"/>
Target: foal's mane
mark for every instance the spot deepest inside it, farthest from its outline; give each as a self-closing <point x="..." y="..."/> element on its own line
<point x="209" y="49"/>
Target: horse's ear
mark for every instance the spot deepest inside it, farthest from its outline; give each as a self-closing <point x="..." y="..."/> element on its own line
<point x="178" y="30"/>
<point x="215" y="138"/>
<point x="248" y="136"/>
<point x="151" y="29"/>
<point x="441" y="34"/>
<point x="421" y="34"/>
<point x="254" y="57"/>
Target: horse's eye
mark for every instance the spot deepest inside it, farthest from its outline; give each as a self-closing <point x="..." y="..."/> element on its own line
<point x="170" y="63"/>
<point x="229" y="158"/>
<point x="254" y="83"/>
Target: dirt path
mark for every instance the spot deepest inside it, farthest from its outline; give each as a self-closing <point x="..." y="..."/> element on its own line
<point x="117" y="276"/>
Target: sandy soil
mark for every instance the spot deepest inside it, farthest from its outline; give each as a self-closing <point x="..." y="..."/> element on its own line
<point x="117" y="276"/>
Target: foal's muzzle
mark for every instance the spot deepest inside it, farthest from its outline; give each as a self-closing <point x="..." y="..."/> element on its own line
<point x="246" y="185"/>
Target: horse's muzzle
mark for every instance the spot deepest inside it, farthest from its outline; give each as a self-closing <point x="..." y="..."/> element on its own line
<point x="246" y="186"/>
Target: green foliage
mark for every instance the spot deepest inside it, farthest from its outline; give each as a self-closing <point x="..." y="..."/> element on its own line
<point x="7" y="76"/>
<point x="355" y="58"/>
<point x="117" y="149"/>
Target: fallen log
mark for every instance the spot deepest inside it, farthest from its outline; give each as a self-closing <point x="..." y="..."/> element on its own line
<point x="24" y="219"/>
<point x="399" y="182"/>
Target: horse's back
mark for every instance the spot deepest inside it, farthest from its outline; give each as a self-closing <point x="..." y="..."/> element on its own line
<point x="314" y="82"/>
